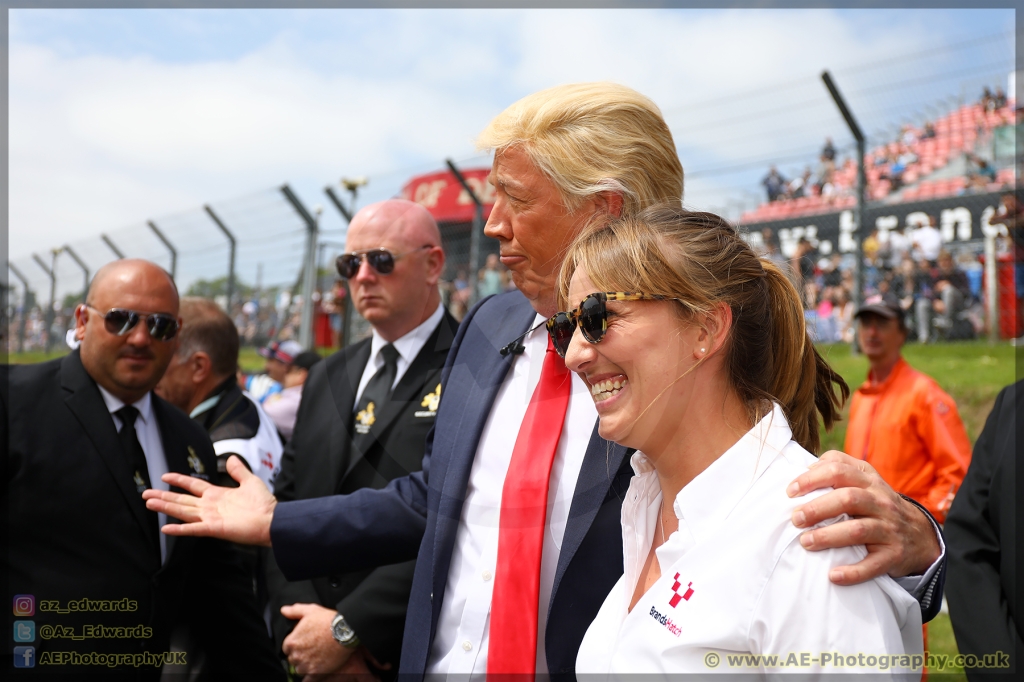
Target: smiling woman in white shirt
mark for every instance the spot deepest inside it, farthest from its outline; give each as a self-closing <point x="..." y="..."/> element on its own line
<point x="696" y="355"/>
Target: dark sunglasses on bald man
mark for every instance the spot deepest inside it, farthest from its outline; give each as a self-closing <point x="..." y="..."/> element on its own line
<point x="591" y="316"/>
<point x="120" y="321"/>
<point x="381" y="260"/>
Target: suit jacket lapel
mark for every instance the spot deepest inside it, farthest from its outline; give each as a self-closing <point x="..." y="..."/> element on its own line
<point x="410" y="386"/>
<point x="86" y="403"/>
<point x="600" y="465"/>
<point x="343" y="379"/>
<point x="468" y="402"/>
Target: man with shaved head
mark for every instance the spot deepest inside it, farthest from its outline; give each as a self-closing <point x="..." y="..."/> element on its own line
<point x="85" y="558"/>
<point x="363" y="420"/>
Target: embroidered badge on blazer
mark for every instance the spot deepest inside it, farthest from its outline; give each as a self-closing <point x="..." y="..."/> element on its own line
<point x="196" y="464"/>
<point x="140" y="483"/>
<point x="430" y="401"/>
<point x="365" y="418"/>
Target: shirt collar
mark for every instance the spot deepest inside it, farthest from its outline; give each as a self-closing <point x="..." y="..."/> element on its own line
<point x="409" y="345"/>
<point x="113" y="403"/>
<point x="708" y="499"/>
<point x="870" y="388"/>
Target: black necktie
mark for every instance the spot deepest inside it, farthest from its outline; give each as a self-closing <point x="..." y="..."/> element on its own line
<point x="137" y="461"/>
<point x="377" y="391"/>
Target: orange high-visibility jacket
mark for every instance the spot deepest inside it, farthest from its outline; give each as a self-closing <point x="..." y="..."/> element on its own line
<point x="909" y="430"/>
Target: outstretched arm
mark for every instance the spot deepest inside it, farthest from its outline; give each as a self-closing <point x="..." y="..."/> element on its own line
<point x="900" y="537"/>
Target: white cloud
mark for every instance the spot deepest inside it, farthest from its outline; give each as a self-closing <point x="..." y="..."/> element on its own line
<point x="98" y="141"/>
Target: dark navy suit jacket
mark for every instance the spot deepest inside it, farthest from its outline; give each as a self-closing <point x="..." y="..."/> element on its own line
<point x="417" y="516"/>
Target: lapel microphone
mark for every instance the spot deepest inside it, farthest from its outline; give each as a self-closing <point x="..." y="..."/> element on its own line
<point x="515" y="346"/>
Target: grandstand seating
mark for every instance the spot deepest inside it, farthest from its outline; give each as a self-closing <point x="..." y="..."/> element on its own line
<point x="955" y="134"/>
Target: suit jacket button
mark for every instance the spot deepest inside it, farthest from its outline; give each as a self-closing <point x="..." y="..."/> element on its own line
<point x="334" y="581"/>
<point x="431" y="596"/>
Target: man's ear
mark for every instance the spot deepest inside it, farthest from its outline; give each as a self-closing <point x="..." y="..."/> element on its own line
<point x="611" y="202"/>
<point x="202" y="366"/>
<point x="81" y="317"/>
<point x="435" y="265"/>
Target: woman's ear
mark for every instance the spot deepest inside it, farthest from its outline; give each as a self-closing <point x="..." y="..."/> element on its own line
<point x="714" y="330"/>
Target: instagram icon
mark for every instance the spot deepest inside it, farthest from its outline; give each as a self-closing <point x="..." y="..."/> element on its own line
<point x="24" y="605"/>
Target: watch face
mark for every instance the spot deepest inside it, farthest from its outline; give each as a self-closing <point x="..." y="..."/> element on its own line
<point x="342" y="632"/>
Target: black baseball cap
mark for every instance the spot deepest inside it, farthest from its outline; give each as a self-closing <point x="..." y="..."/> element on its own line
<point x="884" y="306"/>
<point x="306" y="359"/>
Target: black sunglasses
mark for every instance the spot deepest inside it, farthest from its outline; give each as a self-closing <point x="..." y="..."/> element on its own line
<point x="591" y="316"/>
<point x="381" y="260"/>
<point x="120" y="321"/>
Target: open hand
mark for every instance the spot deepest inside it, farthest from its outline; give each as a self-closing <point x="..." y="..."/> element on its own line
<point x="241" y="514"/>
<point x="899" y="537"/>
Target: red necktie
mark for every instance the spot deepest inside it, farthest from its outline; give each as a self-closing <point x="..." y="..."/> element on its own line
<point x="524" y="502"/>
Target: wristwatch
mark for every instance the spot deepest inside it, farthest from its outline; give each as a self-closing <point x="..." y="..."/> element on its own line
<point x="343" y="634"/>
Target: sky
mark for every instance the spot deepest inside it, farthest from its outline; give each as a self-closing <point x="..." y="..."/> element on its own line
<point x="118" y="117"/>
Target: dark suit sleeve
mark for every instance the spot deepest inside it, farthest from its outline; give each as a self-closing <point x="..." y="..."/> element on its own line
<point x="223" y="613"/>
<point x="978" y="604"/>
<point x="376" y="610"/>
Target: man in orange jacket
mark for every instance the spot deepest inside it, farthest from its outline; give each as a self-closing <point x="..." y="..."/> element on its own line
<point x="901" y="422"/>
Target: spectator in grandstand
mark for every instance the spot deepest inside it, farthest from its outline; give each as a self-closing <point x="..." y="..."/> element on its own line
<point x="896" y="246"/>
<point x="284" y="406"/>
<point x="979" y="172"/>
<point x="843" y="313"/>
<point x="999" y="99"/>
<point x="986" y="100"/>
<point x="774" y="184"/>
<point x="926" y="242"/>
<point x="800" y="186"/>
<point x="907" y="136"/>
<point x="828" y="152"/>
<point x="200" y="381"/>
<point x="982" y="534"/>
<point x="490" y="278"/>
<point x="901" y="422"/>
<point x="950" y="294"/>
<point x="802" y="267"/>
<point x="912" y="286"/>
<point x="929" y="131"/>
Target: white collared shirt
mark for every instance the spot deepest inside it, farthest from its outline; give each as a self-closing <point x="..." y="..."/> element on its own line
<point x="460" y="645"/>
<point x="408" y="347"/>
<point x="744" y="582"/>
<point x="148" y="433"/>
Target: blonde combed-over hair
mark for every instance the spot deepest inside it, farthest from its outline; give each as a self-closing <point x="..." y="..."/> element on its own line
<point x="593" y="137"/>
<point x="703" y="261"/>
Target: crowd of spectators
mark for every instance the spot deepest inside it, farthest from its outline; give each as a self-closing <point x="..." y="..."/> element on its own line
<point x="492" y="278"/>
<point x="939" y="292"/>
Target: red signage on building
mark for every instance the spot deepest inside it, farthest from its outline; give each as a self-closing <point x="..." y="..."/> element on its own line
<point x="443" y="195"/>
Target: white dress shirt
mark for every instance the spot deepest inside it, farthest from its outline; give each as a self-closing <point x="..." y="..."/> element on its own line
<point x="148" y="432"/>
<point x="460" y="644"/>
<point x="408" y="347"/>
<point x="745" y="583"/>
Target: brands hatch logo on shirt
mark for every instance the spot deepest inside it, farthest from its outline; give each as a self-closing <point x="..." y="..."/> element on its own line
<point x="676" y="597"/>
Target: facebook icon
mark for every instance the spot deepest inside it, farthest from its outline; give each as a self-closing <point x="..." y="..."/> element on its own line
<point x="24" y="657"/>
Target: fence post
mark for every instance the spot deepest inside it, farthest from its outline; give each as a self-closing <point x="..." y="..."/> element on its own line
<point x="231" y="255"/>
<point x="85" y="269"/>
<point x="170" y="247"/>
<point x="112" y="245"/>
<point x="991" y="278"/>
<point x="475" y="230"/>
<point x="346" y="316"/>
<point x="858" y="240"/>
<point x="52" y="274"/>
<point x="306" y="339"/>
<point x="27" y="300"/>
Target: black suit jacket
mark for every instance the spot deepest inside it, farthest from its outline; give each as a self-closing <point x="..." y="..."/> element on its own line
<point x="323" y="459"/>
<point x="76" y="532"/>
<point x="982" y="540"/>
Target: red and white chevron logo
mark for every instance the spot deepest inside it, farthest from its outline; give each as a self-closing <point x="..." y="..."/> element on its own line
<point x="674" y="601"/>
